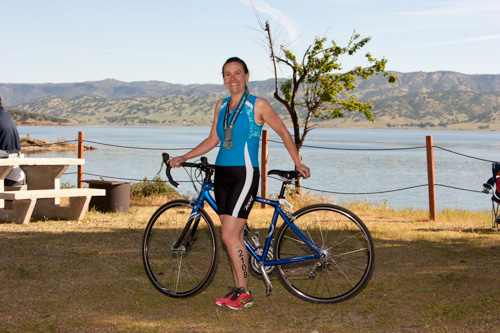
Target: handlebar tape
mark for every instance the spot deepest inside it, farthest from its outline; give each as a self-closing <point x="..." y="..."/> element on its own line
<point x="166" y="157"/>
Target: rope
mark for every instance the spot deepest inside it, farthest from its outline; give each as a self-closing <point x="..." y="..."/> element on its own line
<point x="131" y="179"/>
<point x="280" y="142"/>
<point x="366" y="193"/>
<point x="119" y="146"/>
<point x="454" y="152"/>
<point x="304" y="187"/>
<point x="458" y="188"/>
<point x="355" y="149"/>
<point x="101" y="176"/>
<point x="308" y="146"/>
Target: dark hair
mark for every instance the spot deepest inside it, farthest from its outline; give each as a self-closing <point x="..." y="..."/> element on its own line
<point x="235" y="59"/>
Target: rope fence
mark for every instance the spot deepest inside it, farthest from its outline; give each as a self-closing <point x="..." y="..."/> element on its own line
<point x="265" y="142"/>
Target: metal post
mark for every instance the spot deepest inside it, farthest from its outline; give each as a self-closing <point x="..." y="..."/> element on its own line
<point x="263" y="162"/>
<point x="430" y="177"/>
<point x="80" y="155"/>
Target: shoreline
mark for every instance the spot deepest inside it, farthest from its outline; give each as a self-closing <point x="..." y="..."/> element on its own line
<point x="33" y="145"/>
<point x="472" y="127"/>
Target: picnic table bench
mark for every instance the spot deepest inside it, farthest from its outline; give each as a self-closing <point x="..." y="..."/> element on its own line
<point x="41" y="196"/>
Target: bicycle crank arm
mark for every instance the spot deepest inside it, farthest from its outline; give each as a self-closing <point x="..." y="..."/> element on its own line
<point x="269" y="286"/>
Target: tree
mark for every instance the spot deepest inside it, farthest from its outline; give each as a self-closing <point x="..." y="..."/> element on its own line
<point x="326" y="90"/>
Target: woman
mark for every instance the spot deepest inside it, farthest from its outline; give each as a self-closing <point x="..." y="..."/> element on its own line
<point x="238" y="122"/>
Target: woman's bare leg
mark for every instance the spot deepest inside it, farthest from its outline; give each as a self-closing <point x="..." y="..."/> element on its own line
<point x="232" y="236"/>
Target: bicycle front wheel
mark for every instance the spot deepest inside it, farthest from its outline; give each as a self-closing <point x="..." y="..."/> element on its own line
<point x="348" y="249"/>
<point x="180" y="252"/>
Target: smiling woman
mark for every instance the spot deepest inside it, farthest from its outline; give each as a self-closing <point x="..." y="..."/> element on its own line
<point x="238" y="122"/>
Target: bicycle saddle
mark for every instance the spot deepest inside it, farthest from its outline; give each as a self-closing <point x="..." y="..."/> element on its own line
<point x="290" y="175"/>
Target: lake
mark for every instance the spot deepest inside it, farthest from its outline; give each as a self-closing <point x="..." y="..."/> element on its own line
<point x="353" y="163"/>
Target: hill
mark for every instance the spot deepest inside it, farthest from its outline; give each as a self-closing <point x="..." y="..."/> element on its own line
<point x="29" y="118"/>
<point x="438" y="99"/>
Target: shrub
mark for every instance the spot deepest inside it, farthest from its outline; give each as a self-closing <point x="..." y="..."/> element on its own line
<point x="148" y="188"/>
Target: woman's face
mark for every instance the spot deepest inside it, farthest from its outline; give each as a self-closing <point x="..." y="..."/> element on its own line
<point x="235" y="78"/>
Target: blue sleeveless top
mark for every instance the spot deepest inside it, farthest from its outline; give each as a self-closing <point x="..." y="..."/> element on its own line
<point x="246" y="137"/>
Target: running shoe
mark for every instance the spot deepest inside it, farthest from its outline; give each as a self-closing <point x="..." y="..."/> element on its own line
<point x="221" y="301"/>
<point x="240" y="299"/>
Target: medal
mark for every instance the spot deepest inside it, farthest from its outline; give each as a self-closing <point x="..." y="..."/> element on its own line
<point x="228" y="127"/>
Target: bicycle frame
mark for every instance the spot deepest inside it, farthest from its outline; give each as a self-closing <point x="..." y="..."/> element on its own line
<point x="181" y="248"/>
<point x="205" y="196"/>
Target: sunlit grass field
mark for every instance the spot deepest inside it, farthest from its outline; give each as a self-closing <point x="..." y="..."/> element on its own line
<point x="62" y="276"/>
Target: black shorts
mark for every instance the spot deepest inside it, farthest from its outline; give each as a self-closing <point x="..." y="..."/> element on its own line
<point x="235" y="189"/>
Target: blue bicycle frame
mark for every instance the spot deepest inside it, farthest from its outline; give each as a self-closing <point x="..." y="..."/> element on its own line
<point x="205" y="196"/>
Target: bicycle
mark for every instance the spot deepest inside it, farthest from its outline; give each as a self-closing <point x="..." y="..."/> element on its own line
<point x="321" y="253"/>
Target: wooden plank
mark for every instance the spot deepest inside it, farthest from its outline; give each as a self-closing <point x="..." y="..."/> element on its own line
<point x="42" y="161"/>
<point x="59" y="193"/>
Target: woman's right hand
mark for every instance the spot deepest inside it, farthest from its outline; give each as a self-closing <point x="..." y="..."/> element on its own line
<point x="176" y="161"/>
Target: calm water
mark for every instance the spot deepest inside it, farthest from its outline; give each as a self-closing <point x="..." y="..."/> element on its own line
<point x="354" y="173"/>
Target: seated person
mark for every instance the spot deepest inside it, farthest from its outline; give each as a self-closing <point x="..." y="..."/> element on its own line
<point x="10" y="146"/>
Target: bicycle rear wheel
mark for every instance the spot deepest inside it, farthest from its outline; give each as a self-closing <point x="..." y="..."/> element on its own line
<point x="349" y="252"/>
<point x="184" y="269"/>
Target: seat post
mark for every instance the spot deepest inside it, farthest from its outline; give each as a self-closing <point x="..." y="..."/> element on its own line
<point x="283" y="189"/>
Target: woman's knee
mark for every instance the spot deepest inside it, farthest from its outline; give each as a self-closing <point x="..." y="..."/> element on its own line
<point x="230" y="238"/>
<point x="232" y="232"/>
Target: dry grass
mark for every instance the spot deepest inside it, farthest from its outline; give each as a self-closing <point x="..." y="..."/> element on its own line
<point x="430" y="275"/>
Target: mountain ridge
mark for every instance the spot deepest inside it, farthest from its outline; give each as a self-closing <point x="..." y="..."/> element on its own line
<point x="20" y="93"/>
<point x="419" y="99"/>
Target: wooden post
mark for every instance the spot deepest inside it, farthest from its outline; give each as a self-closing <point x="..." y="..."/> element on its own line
<point x="263" y="162"/>
<point x="430" y="177"/>
<point x="80" y="155"/>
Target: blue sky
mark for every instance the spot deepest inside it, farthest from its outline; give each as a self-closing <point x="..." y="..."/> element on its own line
<point x="187" y="41"/>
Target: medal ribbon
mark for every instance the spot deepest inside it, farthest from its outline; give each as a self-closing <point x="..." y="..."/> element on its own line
<point x="228" y="126"/>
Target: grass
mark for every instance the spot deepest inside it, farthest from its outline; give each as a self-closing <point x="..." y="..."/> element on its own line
<point x="60" y="276"/>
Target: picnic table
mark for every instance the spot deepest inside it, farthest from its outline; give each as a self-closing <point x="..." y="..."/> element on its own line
<point x="41" y="196"/>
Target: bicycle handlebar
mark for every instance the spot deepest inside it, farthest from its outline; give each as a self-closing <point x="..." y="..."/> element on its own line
<point x="288" y="176"/>
<point x="203" y="165"/>
<point x="166" y="157"/>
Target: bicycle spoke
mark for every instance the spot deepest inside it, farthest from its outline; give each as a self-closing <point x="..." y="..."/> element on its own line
<point x="347" y="261"/>
<point x="296" y="239"/>
<point x="178" y="274"/>
<point x="188" y="267"/>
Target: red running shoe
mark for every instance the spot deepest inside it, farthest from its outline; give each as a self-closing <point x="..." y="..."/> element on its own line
<point x="221" y="301"/>
<point x="240" y="299"/>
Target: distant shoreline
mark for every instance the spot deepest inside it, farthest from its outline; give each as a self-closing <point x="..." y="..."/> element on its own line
<point x="457" y="127"/>
<point x="36" y="145"/>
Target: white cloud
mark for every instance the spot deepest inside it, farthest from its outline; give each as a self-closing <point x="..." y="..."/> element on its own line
<point x="277" y="15"/>
<point x="460" y="7"/>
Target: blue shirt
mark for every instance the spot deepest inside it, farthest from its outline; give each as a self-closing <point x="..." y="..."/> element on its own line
<point x="246" y="136"/>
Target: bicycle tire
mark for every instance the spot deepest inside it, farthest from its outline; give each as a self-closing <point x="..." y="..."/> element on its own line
<point x="349" y="254"/>
<point x="187" y="270"/>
